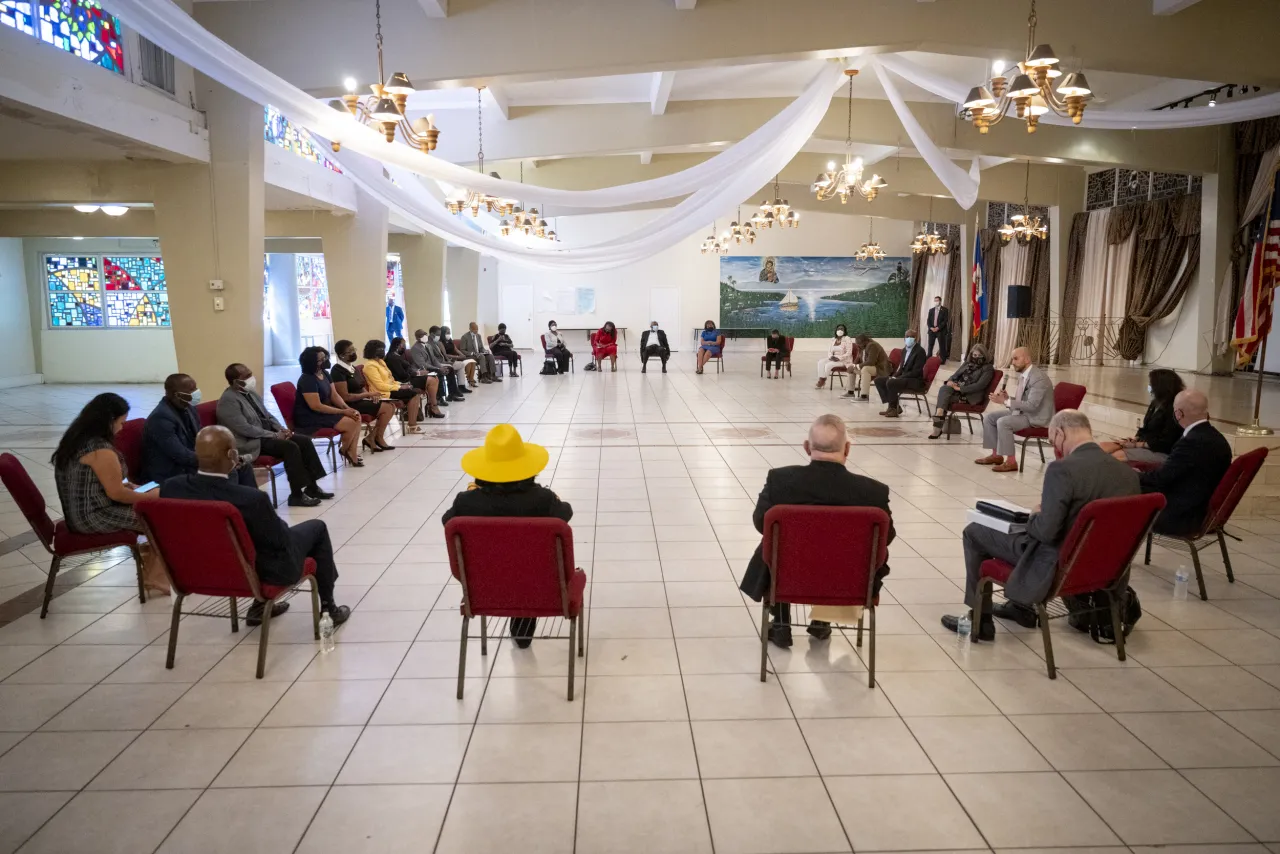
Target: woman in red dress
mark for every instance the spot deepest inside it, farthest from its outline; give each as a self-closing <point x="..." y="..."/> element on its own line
<point x="605" y="345"/>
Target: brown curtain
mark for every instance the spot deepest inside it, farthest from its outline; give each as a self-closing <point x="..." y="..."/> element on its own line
<point x="1253" y="139"/>
<point x="919" y="264"/>
<point x="1035" y="334"/>
<point x="1168" y="231"/>
<point x="1071" y="285"/>
<point x="1123" y="221"/>
<point x="991" y="244"/>
<point x="951" y="299"/>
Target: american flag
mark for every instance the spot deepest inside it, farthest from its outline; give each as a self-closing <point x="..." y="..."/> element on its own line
<point x="1253" y="316"/>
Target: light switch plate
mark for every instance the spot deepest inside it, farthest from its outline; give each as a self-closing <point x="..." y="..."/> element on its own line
<point x="216" y="285"/>
<point x="217" y="304"/>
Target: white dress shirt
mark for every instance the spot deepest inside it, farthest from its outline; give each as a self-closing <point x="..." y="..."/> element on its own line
<point x="1191" y="427"/>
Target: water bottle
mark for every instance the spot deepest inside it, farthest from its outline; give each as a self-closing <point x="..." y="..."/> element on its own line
<point x="964" y="631"/>
<point x="326" y="632"/>
<point x="1180" y="584"/>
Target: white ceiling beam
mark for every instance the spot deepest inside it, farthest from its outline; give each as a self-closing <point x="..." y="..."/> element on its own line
<point x="686" y="5"/>
<point x="660" y="91"/>
<point x="1170" y="7"/>
<point x="498" y="98"/>
<point x="435" y="8"/>
<point x="646" y="157"/>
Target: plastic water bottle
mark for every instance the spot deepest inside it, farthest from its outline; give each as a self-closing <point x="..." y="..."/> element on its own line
<point x="964" y="632"/>
<point x="326" y="633"/>
<point x="1180" y="584"/>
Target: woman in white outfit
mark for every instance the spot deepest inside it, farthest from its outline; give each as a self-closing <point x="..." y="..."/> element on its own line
<point x="840" y="354"/>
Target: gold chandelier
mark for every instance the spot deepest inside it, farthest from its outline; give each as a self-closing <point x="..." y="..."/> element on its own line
<point x="527" y="222"/>
<point x="870" y="250"/>
<point x="1024" y="227"/>
<point x="741" y="233"/>
<point x="713" y="245"/>
<point x="1030" y="92"/>
<point x="384" y="109"/>
<point x="776" y="212"/>
<point x="474" y="200"/>
<point x="847" y="180"/>
<point x="929" y="242"/>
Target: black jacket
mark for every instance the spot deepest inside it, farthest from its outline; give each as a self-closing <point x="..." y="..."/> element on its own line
<point x="1160" y="430"/>
<point x="277" y="562"/>
<point x="523" y="498"/>
<point x="943" y="323"/>
<point x="912" y="367"/>
<point x="780" y="345"/>
<point x="662" y="342"/>
<point x="399" y="368"/>
<point x="169" y="442"/>
<point x="818" y="483"/>
<point x="1188" y="478"/>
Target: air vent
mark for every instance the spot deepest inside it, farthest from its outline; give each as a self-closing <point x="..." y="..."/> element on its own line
<point x="157" y="66"/>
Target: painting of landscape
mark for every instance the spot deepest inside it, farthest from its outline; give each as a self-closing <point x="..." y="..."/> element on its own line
<point x="806" y="296"/>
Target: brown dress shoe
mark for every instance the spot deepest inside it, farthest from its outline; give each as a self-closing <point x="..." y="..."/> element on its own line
<point x="990" y="460"/>
<point x="1010" y="465"/>
<point x="892" y="413"/>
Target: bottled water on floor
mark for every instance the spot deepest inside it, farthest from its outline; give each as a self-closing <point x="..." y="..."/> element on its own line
<point x="1180" y="580"/>
<point x="964" y="631"/>
<point x="326" y="632"/>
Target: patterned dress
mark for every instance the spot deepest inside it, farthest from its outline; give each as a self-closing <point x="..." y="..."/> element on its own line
<point x="85" y="504"/>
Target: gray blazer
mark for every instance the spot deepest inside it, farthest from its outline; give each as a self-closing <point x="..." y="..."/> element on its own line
<point x="423" y="359"/>
<point x="237" y="414"/>
<point x="1037" y="397"/>
<point x="1087" y="473"/>
<point x="471" y="345"/>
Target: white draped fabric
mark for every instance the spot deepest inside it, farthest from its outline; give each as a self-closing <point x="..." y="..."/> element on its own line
<point x="1104" y="281"/>
<point x="1013" y="271"/>
<point x="935" y="285"/>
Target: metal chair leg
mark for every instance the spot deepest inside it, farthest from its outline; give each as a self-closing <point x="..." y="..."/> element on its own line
<point x="265" y="637"/>
<point x="1195" y="561"/>
<point x="582" y="626"/>
<point x="235" y="614"/>
<point x="573" y="636"/>
<point x="1022" y="461"/>
<point x="1117" y="626"/>
<point x="315" y="606"/>
<point x="1147" y="559"/>
<point x="1226" y="558"/>
<point x="1048" y="641"/>
<point x="48" y="586"/>
<point x="484" y="635"/>
<point x="860" y="616"/>
<point x="1040" y="448"/>
<point x="764" y="639"/>
<point x="173" y="631"/>
<point x="871" y="643"/>
<point x="137" y="560"/>
<point x="275" y="499"/>
<point x="462" y="655"/>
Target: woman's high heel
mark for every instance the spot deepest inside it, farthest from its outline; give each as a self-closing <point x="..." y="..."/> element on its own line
<point x="354" y="462"/>
<point x="368" y="442"/>
<point x="434" y="412"/>
<point x="383" y="446"/>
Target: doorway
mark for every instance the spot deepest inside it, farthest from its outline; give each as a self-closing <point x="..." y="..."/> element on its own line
<point x="516" y="310"/>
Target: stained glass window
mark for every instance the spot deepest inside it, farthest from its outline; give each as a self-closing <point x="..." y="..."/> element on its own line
<point x="278" y="130"/>
<point x="133" y="273"/>
<point x="81" y="27"/>
<point x="313" y="288"/>
<point x="107" y="290"/>
<point x="138" y="308"/>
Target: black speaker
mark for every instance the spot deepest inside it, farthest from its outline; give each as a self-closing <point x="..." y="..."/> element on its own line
<point x="1018" y="303"/>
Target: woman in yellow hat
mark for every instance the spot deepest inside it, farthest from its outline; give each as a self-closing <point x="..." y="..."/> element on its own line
<point x="504" y="469"/>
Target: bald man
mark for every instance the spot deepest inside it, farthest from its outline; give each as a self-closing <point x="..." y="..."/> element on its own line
<point x="1192" y="470"/>
<point x="1029" y="405"/>
<point x="280" y="549"/>
<point x="823" y="482"/>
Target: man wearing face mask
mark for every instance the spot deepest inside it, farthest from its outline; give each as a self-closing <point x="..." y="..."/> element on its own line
<point x="424" y="357"/>
<point x="908" y="377"/>
<point x="440" y="353"/>
<point x="939" y="330"/>
<point x="654" y="343"/>
<point x="169" y="437"/>
<point x="257" y="432"/>
<point x="454" y="355"/>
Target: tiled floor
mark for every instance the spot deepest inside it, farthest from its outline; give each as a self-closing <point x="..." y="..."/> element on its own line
<point x="673" y="744"/>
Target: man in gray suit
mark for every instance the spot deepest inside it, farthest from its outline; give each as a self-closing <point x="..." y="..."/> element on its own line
<point x="1030" y="405"/>
<point x="473" y="346"/>
<point x="1084" y="473"/>
<point x="423" y="358"/>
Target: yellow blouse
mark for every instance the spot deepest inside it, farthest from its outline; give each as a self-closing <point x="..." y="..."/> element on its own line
<point x="378" y="376"/>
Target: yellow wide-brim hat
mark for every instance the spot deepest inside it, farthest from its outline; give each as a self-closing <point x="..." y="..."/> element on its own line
<point x="505" y="457"/>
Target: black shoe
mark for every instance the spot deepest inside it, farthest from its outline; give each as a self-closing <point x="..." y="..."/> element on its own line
<point x="301" y="499"/>
<point x="780" y="636"/>
<point x="1020" y="614"/>
<point x="317" y="492"/>
<point x="456" y="398"/>
<point x="986" y="629"/>
<point x="337" y="613"/>
<point x="253" y="617"/>
<point x="820" y="629"/>
<point x="644" y="369"/>
<point x="664" y="369"/>
<point x="498" y="379"/>
<point x="465" y="390"/>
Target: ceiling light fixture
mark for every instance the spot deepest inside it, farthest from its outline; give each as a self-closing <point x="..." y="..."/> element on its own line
<point x="712" y="245"/>
<point x="744" y="232"/>
<point x="1024" y="227"/>
<point x="848" y="179"/>
<point x="114" y="210"/>
<point x="928" y="240"/>
<point x="777" y="212"/>
<point x="870" y="250"/>
<point x="86" y="208"/>
<point x="474" y="199"/>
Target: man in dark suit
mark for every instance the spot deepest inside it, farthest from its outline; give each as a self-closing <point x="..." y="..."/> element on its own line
<point x="908" y="377"/>
<point x="939" y="329"/>
<point x="1084" y="472"/>
<point x="823" y="482"/>
<point x="654" y="343"/>
<point x="1194" y="467"/>
<point x="169" y="436"/>
<point x="281" y="549"/>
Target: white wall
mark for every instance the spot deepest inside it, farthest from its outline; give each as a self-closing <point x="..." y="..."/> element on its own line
<point x="19" y="365"/>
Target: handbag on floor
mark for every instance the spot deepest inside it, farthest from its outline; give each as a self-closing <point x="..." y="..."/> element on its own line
<point x="1091" y="612"/>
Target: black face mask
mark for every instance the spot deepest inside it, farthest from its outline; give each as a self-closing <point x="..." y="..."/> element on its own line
<point x="326" y="365"/>
<point x="349" y="357"/>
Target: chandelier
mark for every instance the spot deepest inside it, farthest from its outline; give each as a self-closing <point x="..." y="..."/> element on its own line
<point x="474" y="199"/>
<point x="1030" y="92"/>
<point x="384" y="110"/>
<point x="744" y="232"/>
<point x="778" y="211"/>
<point x="870" y="250"/>
<point x="712" y="245"/>
<point x="929" y="242"/>
<point x="1024" y="227"/>
<point x="847" y="180"/>
<point x="527" y="222"/>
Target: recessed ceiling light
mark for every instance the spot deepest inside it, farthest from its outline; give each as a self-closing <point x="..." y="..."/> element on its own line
<point x="86" y="208"/>
<point x="77" y="238"/>
<point x="115" y="210"/>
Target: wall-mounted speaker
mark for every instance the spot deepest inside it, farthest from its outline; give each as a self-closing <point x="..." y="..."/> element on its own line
<point x="1018" y="303"/>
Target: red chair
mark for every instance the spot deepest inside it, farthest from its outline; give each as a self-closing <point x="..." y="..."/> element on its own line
<point x="207" y="412"/>
<point x="1222" y="504"/>
<point x="546" y="354"/>
<point x="59" y="540"/>
<point x="824" y="556"/>
<point x="499" y="361"/>
<point x="931" y="366"/>
<point x="515" y="567"/>
<point x="786" y="360"/>
<point x="979" y="408"/>
<point x="129" y="443"/>
<point x="285" y="395"/>
<point x="1065" y="396"/>
<point x="1095" y="556"/>
<point x="895" y="359"/>
<point x="207" y="550"/>
<point x="840" y="371"/>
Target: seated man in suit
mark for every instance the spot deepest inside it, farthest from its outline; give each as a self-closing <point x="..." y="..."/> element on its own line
<point x="1083" y="473"/>
<point x="823" y="482"/>
<point x="473" y="346"/>
<point x="281" y="549"/>
<point x="1030" y="405"/>
<point x="169" y="436"/>
<point x="654" y="343"/>
<point x="873" y="362"/>
<point x="1194" y="467"/>
<point x="504" y="469"/>
<point x="908" y="377"/>
<point x="423" y="357"/>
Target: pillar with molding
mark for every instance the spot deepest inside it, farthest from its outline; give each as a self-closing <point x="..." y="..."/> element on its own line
<point x="355" y="265"/>
<point x="422" y="259"/>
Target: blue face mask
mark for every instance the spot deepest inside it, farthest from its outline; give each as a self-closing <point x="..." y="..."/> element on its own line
<point x="909" y="342"/>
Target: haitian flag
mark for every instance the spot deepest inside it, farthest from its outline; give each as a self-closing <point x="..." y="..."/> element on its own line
<point x="978" y="288"/>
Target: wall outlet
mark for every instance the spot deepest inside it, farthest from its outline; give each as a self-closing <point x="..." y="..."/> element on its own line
<point x="218" y="304"/>
<point x="216" y="285"/>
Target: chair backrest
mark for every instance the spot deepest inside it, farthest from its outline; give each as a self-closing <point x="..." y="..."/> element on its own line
<point x="1232" y="488"/>
<point x="129" y="443"/>
<point x="1101" y="544"/>
<point x="207" y="412"/>
<point x="931" y="366"/>
<point x="285" y="395"/>
<point x="511" y="564"/>
<point x="205" y="546"/>
<point x="996" y="376"/>
<point x="543" y="339"/>
<point x="28" y="498"/>
<point x="895" y="358"/>
<point x="824" y="555"/>
<point x="791" y="344"/>
<point x="1067" y="396"/>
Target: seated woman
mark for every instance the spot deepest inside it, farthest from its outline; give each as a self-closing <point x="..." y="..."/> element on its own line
<point x="353" y="392"/>
<point x="398" y="363"/>
<point x="93" y="482"/>
<point x="841" y="354"/>
<point x="379" y="378"/>
<point x="556" y="348"/>
<point x="318" y="405"/>
<point x="969" y="384"/>
<point x="1159" y="429"/>
<point x="503" y="348"/>
<point x="710" y="344"/>
<point x="605" y="346"/>
<point x="775" y="353"/>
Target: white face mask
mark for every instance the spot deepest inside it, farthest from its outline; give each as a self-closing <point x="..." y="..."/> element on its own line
<point x="196" y="397"/>
<point x="422" y="339"/>
<point x="250" y="384"/>
<point x="552" y="328"/>
<point x="839" y="333"/>
<point x="654" y="328"/>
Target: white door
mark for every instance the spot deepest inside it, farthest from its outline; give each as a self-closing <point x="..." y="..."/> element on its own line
<point x="664" y="307"/>
<point x="516" y="310"/>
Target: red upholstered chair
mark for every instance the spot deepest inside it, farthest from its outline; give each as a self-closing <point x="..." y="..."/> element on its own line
<point x="1065" y="396"/>
<point x="59" y="540"/>
<point x="931" y="366"/>
<point x="285" y="394"/>
<point x="979" y="408"/>
<point x="500" y="361"/>
<point x="515" y="567"/>
<point x="1095" y="556"/>
<point x="824" y="556"/>
<point x="895" y="359"/>
<point x="840" y="371"/>
<point x="129" y="443"/>
<point x="547" y="352"/>
<point x="207" y="412"/>
<point x="1222" y="504"/>
<point x="207" y="551"/>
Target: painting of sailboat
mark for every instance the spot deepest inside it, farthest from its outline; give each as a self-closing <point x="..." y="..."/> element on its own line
<point x="790" y="302"/>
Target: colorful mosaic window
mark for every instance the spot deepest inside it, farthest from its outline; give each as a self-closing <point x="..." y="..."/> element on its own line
<point x="133" y="273"/>
<point x="313" y="288"/>
<point x="81" y="27"/>
<point x="394" y="282"/>
<point x="106" y="290"/>
<point x="278" y="130"/>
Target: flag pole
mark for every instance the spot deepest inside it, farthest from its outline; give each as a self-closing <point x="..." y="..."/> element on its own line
<point x="1256" y="428"/>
